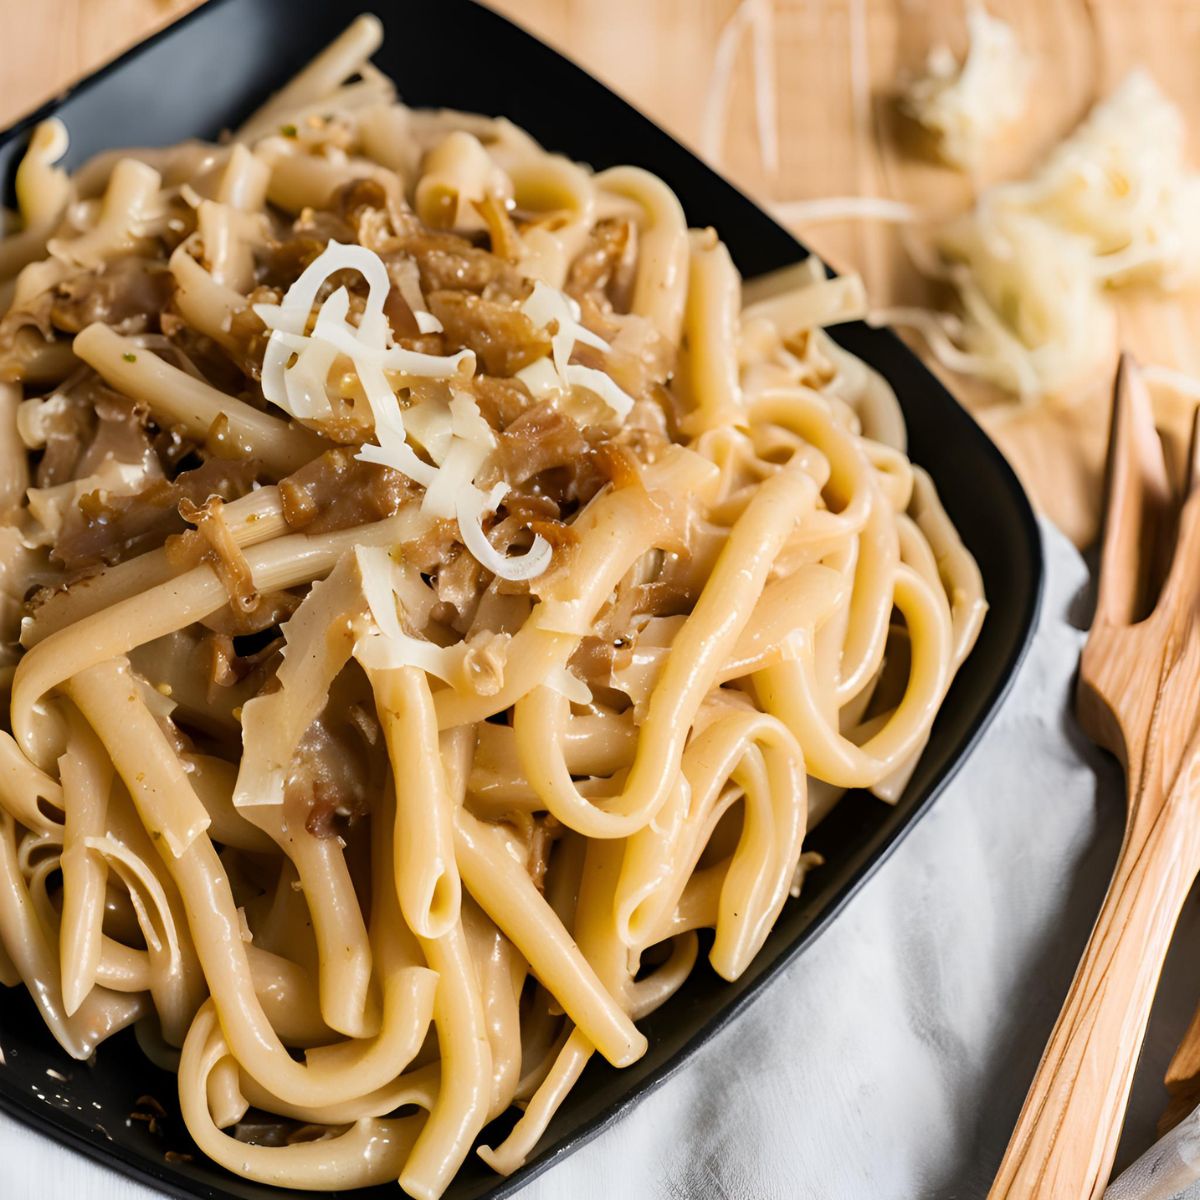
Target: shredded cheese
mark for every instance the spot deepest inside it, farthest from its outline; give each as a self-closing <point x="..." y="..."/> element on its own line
<point x="757" y="17"/>
<point x="470" y="507"/>
<point x="965" y="107"/>
<point x="454" y="436"/>
<point x="470" y="663"/>
<point x="554" y="311"/>
<point x="1176" y="380"/>
<point x="1122" y="181"/>
<point x="824" y="209"/>
<point x="1113" y="203"/>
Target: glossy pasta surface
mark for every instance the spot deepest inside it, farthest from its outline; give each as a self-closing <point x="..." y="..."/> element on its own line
<point x="438" y="596"/>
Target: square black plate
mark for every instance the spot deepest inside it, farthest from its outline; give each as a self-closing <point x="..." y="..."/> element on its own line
<point x="206" y="73"/>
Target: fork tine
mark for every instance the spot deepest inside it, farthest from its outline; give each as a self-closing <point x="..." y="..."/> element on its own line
<point x="1182" y="586"/>
<point x="1138" y="497"/>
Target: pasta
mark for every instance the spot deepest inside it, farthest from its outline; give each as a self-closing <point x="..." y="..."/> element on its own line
<point x="436" y="588"/>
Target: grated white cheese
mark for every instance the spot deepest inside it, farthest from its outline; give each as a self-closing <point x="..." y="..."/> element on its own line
<point x="296" y="365"/>
<point x="547" y="307"/>
<point x="1113" y="203"/>
<point x="541" y="379"/>
<point x="470" y="506"/>
<point x="1176" y="380"/>
<point x="757" y="17"/>
<point x="466" y="421"/>
<point x="455" y="436"/>
<point x="824" y="209"/>
<point x="387" y="646"/>
<point x="1122" y="181"/>
<point x="966" y="106"/>
<point x="377" y="571"/>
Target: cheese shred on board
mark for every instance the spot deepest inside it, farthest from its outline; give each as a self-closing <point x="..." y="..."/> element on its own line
<point x="1114" y="203"/>
<point x="965" y="107"/>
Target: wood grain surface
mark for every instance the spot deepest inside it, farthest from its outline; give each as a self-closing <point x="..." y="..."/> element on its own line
<point x="838" y="66"/>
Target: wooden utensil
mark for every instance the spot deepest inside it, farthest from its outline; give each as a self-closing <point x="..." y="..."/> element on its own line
<point x="1183" y="1078"/>
<point x="1138" y="696"/>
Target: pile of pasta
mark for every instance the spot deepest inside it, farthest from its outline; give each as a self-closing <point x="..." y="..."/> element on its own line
<point x="435" y="589"/>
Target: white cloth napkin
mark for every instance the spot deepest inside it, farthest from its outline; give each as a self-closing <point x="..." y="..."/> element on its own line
<point x="890" y="1061"/>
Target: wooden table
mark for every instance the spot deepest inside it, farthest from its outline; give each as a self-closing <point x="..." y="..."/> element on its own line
<point x="838" y="66"/>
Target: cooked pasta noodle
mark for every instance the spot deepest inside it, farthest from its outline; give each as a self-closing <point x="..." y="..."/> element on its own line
<point x="434" y="590"/>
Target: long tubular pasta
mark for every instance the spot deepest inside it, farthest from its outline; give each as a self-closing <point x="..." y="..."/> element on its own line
<point x="460" y="1105"/>
<point x="300" y="181"/>
<point x="370" y="1152"/>
<point x="24" y="788"/>
<point x="869" y="393"/>
<point x="177" y="398"/>
<point x="609" y="957"/>
<point x="28" y="947"/>
<point x="822" y="302"/>
<point x="169" y="982"/>
<point x="330" y="1074"/>
<point x="343" y="946"/>
<point x="42" y="188"/>
<point x="168" y="805"/>
<point x="177" y="985"/>
<point x="418" y="1086"/>
<point x="337" y="62"/>
<point x="501" y="973"/>
<point x="226" y="236"/>
<point x="42" y="194"/>
<point x="426" y="874"/>
<point x="244" y="182"/>
<point x="285" y="991"/>
<point x="662" y="276"/>
<point x="14" y="469"/>
<point x="86" y="778"/>
<point x="557" y="187"/>
<point x="660" y="858"/>
<point x="877" y="551"/>
<point x="127" y="204"/>
<point x="699" y="650"/>
<point x="122" y="968"/>
<point x="653" y="992"/>
<point x="957" y="569"/>
<point x="464" y="1093"/>
<point x="708" y="364"/>
<point x="214" y="780"/>
<point x="563" y="1076"/>
<point x="385" y="131"/>
<point x="255" y="518"/>
<point x="193" y="596"/>
<point x="456" y="176"/>
<point x="204" y="302"/>
<point x="789" y="692"/>
<point x="508" y="896"/>
<point x="186" y="162"/>
<point x="594" y="744"/>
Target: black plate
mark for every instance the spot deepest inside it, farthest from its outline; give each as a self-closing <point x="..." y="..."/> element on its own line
<point x="205" y="74"/>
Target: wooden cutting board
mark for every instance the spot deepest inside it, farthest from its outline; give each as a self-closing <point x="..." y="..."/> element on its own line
<point x="838" y="66"/>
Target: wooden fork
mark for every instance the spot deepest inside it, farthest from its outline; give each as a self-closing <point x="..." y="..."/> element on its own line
<point x="1139" y="697"/>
